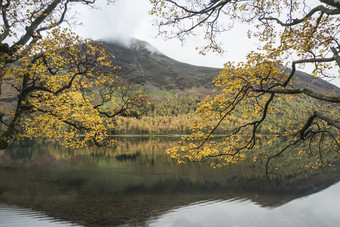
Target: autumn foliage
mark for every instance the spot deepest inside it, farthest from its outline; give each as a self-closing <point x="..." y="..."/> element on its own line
<point x="290" y="34"/>
<point x="64" y="87"/>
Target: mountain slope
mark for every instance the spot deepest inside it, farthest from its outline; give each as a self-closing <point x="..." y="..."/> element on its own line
<point x="143" y="64"/>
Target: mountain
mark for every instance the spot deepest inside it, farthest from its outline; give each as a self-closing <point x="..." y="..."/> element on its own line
<point x="143" y="64"/>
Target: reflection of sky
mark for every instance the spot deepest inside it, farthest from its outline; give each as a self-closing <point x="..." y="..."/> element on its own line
<point x="14" y="216"/>
<point x="320" y="209"/>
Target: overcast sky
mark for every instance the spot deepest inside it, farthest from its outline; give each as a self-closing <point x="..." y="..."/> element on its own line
<point x="129" y="18"/>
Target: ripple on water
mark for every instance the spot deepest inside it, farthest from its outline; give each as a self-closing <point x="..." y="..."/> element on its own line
<point x="11" y="216"/>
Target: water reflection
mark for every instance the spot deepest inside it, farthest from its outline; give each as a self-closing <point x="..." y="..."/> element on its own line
<point x="136" y="180"/>
<point x="15" y="216"/>
<point x="321" y="209"/>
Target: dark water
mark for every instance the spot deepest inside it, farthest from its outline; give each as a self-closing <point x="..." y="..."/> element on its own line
<point x="136" y="184"/>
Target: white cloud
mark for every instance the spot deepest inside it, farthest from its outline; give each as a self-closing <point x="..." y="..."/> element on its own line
<point x="129" y="18"/>
<point x="114" y="22"/>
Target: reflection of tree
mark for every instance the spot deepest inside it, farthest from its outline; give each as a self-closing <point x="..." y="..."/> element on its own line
<point x="87" y="199"/>
<point x="100" y="189"/>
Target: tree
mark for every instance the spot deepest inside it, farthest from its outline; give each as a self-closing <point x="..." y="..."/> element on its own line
<point x="54" y="83"/>
<point x="291" y="34"/>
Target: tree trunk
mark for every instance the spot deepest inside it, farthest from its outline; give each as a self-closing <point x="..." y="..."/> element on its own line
<point x="10" y="134"/>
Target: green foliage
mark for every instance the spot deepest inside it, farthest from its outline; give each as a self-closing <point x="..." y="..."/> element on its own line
<point x="174" y="107"/>
<point x="177" y="115"/>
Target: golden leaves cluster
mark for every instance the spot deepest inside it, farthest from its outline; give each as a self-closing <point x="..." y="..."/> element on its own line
<point x="58" y="78"/>
<point x="289" y="34"/>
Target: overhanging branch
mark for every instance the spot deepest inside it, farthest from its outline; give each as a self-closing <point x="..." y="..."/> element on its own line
<point x="319" y="8"/>
<point x="329" y="120"/>
<point x="308" y="92"/>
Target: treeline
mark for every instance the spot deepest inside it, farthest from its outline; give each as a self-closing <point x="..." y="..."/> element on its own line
<point x="173" y="107"/>
<point x="177" y="115"/>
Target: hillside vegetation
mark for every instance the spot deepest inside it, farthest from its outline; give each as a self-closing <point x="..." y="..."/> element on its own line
<point x="176" y="116"/>
<point x="176" y="89"/>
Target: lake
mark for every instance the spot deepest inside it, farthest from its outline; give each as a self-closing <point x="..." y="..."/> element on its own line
<point x="135" y="183"/>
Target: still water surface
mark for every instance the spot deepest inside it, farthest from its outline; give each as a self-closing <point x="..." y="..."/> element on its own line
<point x="136" y="184"/>
<point x="320" y="209"/>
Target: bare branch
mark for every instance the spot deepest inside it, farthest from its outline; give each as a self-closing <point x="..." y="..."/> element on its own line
<point x="319" y="8"/>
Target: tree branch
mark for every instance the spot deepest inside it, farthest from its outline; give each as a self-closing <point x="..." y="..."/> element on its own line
<point x="33" y="27"/>
<point x="308" y="92"/>
<point x="319" y="8"/>
<point x="329" y="120"/>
